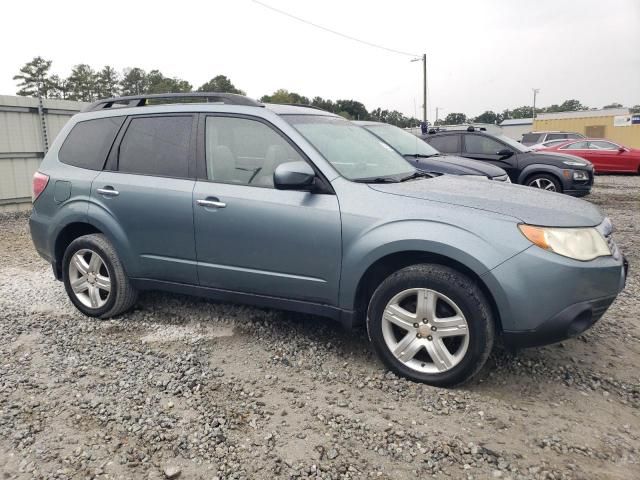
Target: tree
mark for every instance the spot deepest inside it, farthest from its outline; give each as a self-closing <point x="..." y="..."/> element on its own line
<point x="566" y="106"/>
<point x="59" y="87"/>
<point x="134" y="81"/>
<point x="82" y="83"/>
<point x="486" y="117"/>
<point x="613" y="105"/>
<point x="285" y="96"/>
<point x="34" y="78"/>
<point x="327" y="105"/>
<point x="158" y="83"/>
<point x="455" y="119"/>
<point x="353" y="108"/>
<point x="107" y="83"/>
<point x="220" y="84"/>
<point x="635" y="109"/>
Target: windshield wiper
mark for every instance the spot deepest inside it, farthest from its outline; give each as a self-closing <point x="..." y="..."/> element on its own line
<point x="416" y="175"/>
<point x="422" y="155"/>
<point x="376" y="180"/>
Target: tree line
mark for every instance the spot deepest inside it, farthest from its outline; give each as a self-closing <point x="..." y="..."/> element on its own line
<point x="88" y="84"/>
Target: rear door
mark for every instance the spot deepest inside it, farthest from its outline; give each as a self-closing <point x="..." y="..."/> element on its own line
<point x="485" y="148"/>
<point x="146" y="192"/>
<point x="251" y="237"/>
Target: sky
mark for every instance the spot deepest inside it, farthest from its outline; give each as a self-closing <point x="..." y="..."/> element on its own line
<point x="481" y="55"/>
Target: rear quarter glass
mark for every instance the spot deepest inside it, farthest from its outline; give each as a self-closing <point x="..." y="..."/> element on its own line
<point x="89" y="142"/>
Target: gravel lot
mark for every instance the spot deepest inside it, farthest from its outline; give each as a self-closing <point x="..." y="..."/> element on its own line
<point x="184" y="387"/>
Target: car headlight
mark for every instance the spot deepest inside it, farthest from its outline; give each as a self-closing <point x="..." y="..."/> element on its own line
<point x="577" y="243"/>
<point x="573" y="163"/>
<point x="580" y="175"/>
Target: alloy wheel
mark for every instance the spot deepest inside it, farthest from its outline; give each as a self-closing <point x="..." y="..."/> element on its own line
<point x="543" y="183"/>
<point x="425" y="330"/>
<point x="89" y="278"/>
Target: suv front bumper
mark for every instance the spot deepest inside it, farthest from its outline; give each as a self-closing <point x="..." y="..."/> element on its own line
<point x="545" y="298"/>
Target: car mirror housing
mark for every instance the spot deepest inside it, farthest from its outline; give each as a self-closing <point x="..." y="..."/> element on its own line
<point x="505" y="153"/>
<point x="294" y="176"/>
<point x="622" y="149"/>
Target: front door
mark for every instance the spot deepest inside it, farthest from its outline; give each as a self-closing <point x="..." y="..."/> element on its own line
<point x="481" y="147"/>
<point x="251" y="237"/>
<point x="147" y="191"/>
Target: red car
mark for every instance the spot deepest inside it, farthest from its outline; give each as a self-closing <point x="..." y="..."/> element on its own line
<point x="606" y="156"/>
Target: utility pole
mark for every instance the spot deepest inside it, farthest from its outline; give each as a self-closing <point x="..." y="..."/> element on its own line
<point x="436" y="120"/>
<point x="535" y="93"/>
<point x="424" y="85"/>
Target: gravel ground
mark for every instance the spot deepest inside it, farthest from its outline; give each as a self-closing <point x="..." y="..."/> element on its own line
<point x="184" y="387"/>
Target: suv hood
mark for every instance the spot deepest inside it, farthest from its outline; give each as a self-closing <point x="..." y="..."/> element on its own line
<point x="455" y="165"/>
<point x="529" y="205"/>
<point x="554" y="158"/>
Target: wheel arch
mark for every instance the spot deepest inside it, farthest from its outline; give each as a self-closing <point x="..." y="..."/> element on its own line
<point x="543" y="169"/>
<point x="64" y="238"/>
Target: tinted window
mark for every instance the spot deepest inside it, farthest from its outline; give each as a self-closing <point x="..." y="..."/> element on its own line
<point x="445" y="143"/>
<point x="556" y="136"/>
<point x="156" y="146"/>
<point x="602" y="145"/>
<point x="481" y="144"/>
<point x="531" y="138"/>
<point x="88" y="143"/>
<point x="574" y="135"/>
<point x="243" y="151"/>
<point x="575" y="146"/>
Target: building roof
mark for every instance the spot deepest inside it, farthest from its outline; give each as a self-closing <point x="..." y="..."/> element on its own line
<point x="607" y="112"/>
<point x="517" y="121"/>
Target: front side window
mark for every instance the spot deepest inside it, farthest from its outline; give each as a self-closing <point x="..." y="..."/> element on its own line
<point x="156" y="146"/>
<point x="244" y="151"/>
<point x="402" y="141"/>
<point x="575" y="146"/>
<point x="445" y="143"/>
<point x="89" y="142"/>
<point x="481" y="144"/>
<point x="602" y="145"/>
<point x="354" y="153"/>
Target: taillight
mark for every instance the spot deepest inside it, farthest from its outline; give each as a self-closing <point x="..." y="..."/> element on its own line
<point x="40" y="181"/>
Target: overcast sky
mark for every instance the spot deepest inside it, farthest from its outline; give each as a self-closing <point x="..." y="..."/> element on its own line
<point x="481" y="55"/>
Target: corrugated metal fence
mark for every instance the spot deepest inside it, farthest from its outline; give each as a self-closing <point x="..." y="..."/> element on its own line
<point x="27" y="128"/>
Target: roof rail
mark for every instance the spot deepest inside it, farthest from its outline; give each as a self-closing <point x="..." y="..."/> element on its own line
<point x="304" y="105"/>
<point x="142" y="100"/>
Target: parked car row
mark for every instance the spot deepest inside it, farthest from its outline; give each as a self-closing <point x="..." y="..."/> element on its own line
<point x="299" y="209"/>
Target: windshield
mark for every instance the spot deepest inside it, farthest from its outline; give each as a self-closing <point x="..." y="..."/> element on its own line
<point x="401" y="140"/>
<point x="517" y="146"/>
<point x="355" y="153"/>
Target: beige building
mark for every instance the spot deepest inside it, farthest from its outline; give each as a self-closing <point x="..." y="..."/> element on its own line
<point x="615" y="124"/>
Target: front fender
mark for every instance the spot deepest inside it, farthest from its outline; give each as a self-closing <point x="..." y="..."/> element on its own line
<point x="541" y="168"/>
<point x="476" y="252"/>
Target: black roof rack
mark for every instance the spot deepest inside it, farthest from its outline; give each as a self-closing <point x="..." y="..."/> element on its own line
<point x="201" y="97"/>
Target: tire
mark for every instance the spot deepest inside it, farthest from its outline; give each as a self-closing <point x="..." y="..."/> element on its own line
<point x="456" y="297"/>
<point x="90" y="264"/>
<point x="544" y="181"/>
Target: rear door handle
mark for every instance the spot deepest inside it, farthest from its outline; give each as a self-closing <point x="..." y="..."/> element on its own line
<point x="211" y="203"/>
<point x="108" y="192"/>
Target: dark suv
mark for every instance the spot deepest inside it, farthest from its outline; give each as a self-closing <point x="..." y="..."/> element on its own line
<point x="550" y="171"/>
<point x="299" y="209"/>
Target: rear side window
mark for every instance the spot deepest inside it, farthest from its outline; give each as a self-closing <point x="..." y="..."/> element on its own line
<point x="445" y="143"/>
<point x="481" y="144"/>
<point x="89" y="142"/>
<point x="531" y="138"/>
<point x="556" y="136"/>
<point x="156" y="146"/>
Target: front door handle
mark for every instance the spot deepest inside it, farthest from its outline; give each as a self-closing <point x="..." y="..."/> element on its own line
<point x="211" y="203"/>
<point x="108" y="192"/>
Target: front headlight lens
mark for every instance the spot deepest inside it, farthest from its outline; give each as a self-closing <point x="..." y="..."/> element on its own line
<point x="580" y="175"/>
<point x="577" y="243"/>
<point x="573" y="163"/>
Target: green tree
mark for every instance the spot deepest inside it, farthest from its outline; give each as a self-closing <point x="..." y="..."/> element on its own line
<point x="158" y="83"/>
<point x="327" y="105"/>
<point x="525" y="111"/>
<point x="613" y="105"/>
<point x="34" y="78"/>
<point x="59" y="87"/>
<point x="220" y="84"/>
<point x="635" y="109"/>
<point x="107" y="83"/>
<point x="566" y="106"/>
<point x="134" y="81"/>
<point x="486" y="117"/>
<point x="455" y="119"/>
<point x="284" y="96"/>
<point x="353" y="108"/>
<point x="82" y="83"/>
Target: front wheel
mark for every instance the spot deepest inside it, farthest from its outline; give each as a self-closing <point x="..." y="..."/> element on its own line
<point x="432" y="324"/>
<point x="95" y="279"/>
<point x="544" y="182"/>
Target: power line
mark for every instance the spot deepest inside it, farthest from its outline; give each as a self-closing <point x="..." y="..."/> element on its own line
<point x="343" y="35"/>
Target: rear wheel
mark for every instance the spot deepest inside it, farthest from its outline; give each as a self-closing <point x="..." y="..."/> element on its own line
<point x="544" y="182"/>
<point x="95" y="279"/>
<point x="432" y="324"/>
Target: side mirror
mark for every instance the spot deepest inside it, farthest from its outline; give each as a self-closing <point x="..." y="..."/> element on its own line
<point x="505" y="153"/>
<point x="294" y="176"/>
<point x="622" y="149"/>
